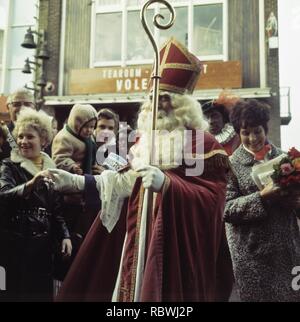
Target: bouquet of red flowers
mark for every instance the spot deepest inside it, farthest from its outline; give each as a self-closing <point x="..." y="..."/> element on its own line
<point x="287" y="171"/>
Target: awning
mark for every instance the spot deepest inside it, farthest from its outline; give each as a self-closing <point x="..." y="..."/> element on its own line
<point x="200" y="95"/>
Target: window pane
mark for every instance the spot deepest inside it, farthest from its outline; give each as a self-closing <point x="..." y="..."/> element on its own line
<point x="108" y="2"/>
<point x="3" y="23"/>
<point x="24" y="12"/>
<point x="141" y="2"/>
<point x="180" y="28"/>
<point x="208" y="30"/>
<point x="135" y="2"/>
<point x="3" y="13"/>
<point x="1" y="45"/>
<point x="173" y="2"/>
<point x="108" y="37"/>
<point x="138" y="45"/>
<point x="17" y="79"/>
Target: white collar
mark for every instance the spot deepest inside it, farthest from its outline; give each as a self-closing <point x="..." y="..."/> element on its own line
<point x="28" y="165"/>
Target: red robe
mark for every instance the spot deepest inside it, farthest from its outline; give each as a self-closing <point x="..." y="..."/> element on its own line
<point x="184" y="251"/>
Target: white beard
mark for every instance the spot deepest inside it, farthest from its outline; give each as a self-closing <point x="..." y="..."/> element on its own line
<point x="166" y="122"/>
<point x="169" y="142"/>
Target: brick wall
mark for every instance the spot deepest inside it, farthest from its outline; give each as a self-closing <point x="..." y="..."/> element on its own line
<point x="50" y="20"/>
<point x="273" y="78"/>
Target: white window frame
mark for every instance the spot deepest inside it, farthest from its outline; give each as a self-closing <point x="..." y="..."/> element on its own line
<point x="1" y="61"/>
<point x="106" y="9"/>
<point x="7" y="67"/>
<point x="5" y="47"/>
<point x="123" y="8"/>
<point x="224" y="56"/>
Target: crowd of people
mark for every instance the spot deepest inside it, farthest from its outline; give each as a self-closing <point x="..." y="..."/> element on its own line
<point x="186" y="226"/>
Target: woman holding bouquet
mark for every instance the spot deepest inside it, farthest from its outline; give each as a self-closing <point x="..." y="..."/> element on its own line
<point x="261" y="226"/>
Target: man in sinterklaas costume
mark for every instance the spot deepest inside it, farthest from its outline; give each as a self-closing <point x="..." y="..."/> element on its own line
<point x="179" y="253"/>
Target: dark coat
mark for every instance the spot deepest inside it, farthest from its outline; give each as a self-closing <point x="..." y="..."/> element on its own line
<point x="30" y="227"/>
<point x="5" y="151"/>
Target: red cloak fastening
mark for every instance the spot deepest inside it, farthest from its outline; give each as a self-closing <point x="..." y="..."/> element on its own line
<point x="186" y="255"/>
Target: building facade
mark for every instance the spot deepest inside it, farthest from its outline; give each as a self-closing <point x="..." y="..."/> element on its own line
<point x="100" y="54"/>
<point x="16" y="18"/>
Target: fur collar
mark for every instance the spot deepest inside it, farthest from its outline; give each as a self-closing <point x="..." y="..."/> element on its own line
<point x="28" y="165"/>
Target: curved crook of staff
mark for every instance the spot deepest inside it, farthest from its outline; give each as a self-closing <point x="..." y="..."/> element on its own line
<point x="155" y="75"/>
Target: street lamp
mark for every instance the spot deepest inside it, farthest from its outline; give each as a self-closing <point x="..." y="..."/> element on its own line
<point x="27" y="68"/>
<point x="41" y="55"/>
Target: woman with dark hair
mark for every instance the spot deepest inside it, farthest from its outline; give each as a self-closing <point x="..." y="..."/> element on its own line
<point x="261" y="225"/>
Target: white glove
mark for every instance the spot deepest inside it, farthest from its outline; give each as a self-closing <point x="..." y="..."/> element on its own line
<point x="67" y="182"/>
<point x="152" y="177"/>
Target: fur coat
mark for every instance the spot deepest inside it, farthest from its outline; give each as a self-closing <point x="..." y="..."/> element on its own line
<point x="263" y="237"/>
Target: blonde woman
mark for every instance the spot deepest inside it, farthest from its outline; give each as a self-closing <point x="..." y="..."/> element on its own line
<point x="30" y="219"/>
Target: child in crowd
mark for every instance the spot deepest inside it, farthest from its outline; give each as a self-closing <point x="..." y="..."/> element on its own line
<point x="73" y="148"/>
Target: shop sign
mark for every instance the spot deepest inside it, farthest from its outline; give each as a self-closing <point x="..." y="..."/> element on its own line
<point x="136" y="78"/>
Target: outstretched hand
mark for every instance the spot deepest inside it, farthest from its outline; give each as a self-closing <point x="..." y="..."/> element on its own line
<point x="152" y="177"/>
<point x="41" y="177"/>
<point x="67" y="182"/>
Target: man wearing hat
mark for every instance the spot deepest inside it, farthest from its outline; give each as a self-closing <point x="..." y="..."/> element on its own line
<point x="217" y="113"/>
<point x="174" y="254"/>
<point x="16" y="101"/>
